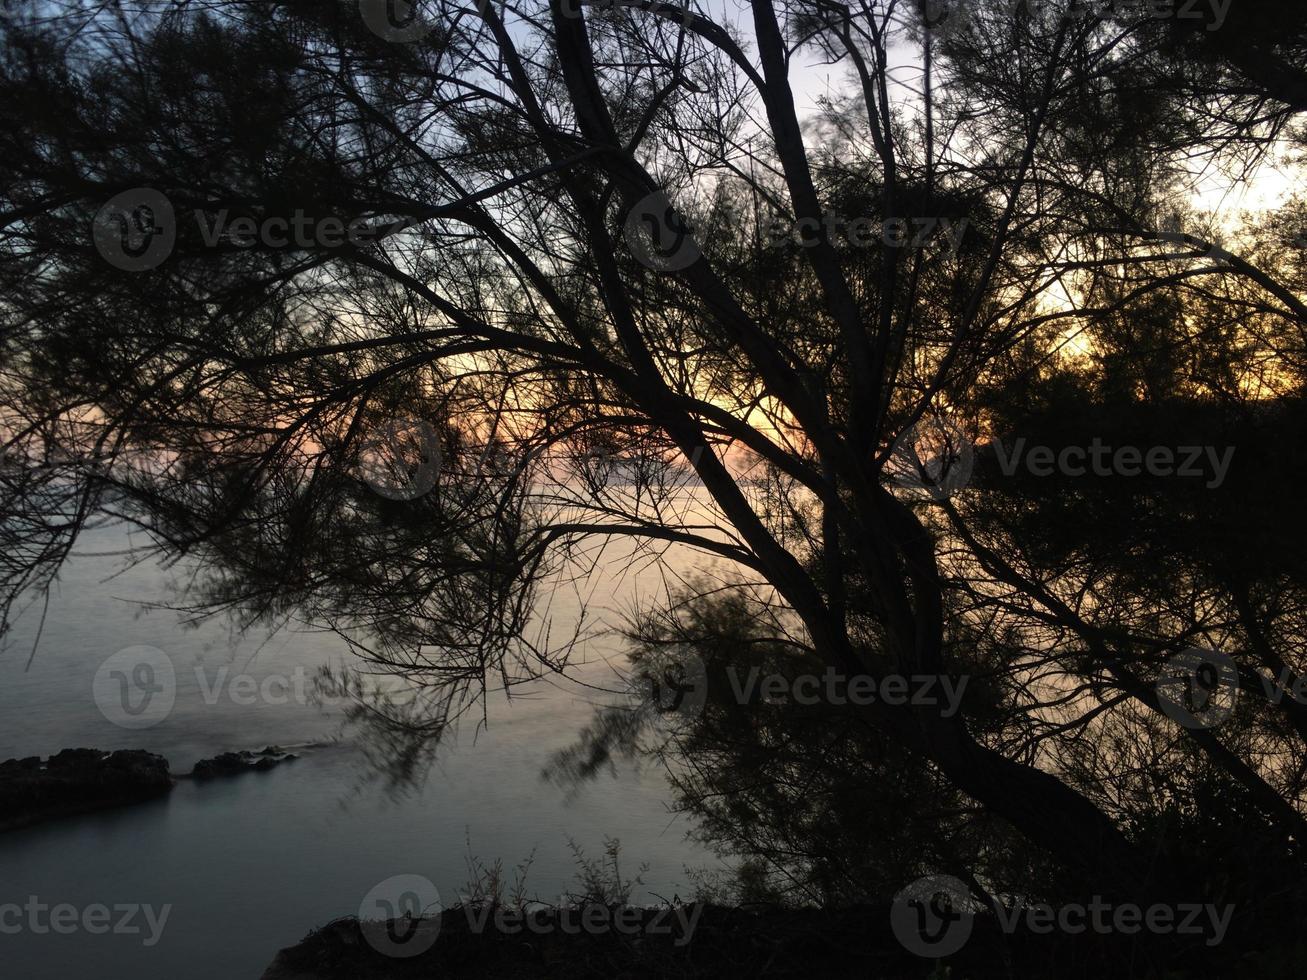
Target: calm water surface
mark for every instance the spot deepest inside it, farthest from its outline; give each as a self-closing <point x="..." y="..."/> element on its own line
<point x="251" y="864"/>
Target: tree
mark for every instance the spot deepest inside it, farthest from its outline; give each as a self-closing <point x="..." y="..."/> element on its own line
<point x="254" y="250"/>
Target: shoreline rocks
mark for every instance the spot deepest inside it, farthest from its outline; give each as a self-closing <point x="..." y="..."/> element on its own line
<point x="78" y="781"/>
<point x="234" y="763"/>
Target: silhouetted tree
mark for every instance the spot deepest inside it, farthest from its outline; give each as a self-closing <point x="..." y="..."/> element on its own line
<point x="564" y="260"/>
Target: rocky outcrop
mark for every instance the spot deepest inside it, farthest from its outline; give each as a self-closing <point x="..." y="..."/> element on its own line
<point x="78" y="781"/>
<point x="235" y="763"/>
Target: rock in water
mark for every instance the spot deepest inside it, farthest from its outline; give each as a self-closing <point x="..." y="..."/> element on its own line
<point x="78" y="781"/>
<point x="235" y="763"/>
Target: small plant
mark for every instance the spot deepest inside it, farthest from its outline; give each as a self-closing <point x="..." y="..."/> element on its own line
<point x="487" y="884"/>
<point x="601" y="880"/>
<point x="751" y="882"/>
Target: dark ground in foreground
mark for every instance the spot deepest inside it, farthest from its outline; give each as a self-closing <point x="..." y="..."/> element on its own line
<point x="733" y="942"/>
